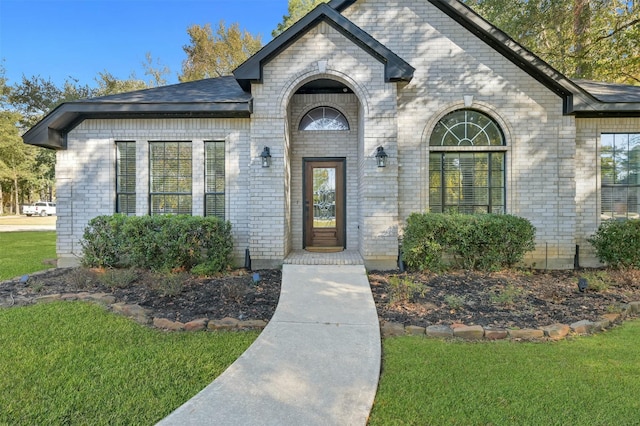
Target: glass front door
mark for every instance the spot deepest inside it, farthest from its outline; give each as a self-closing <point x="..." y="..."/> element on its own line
<point x="324" y="204"/>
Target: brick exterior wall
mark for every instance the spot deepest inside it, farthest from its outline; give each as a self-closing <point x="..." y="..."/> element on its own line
<point x="450" y="63"/>
<point x="86" y="181"/>
<point x="552" y="159"/>
<point x="588" y="135"/>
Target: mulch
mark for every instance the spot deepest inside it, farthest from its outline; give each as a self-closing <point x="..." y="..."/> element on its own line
<point x="514" y="298"/>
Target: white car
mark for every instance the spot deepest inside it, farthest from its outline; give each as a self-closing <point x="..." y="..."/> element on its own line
<point x="41" y="208"/>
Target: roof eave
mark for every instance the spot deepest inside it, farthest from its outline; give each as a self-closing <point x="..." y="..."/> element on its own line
<point x="51" y="131"/>
<point x="608" y="109"/>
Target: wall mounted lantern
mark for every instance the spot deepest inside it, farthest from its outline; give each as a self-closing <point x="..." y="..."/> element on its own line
<point x="381" y="157"/>
<point x="266" y="157"/>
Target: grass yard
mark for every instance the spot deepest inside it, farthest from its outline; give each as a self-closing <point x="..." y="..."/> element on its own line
<point x="76" y="363"/>
<point x="585" y="381"/>
<point x="23" y="252"/>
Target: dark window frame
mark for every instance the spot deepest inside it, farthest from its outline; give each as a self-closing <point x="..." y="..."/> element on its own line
<point x="125" y="173"/>
<point x="215" y="186"/>
<point x="181" y="201"/>
<point x="620" y="180"/>
<point x="317" y="116"/>
<point x="467" y="136"/>
<point x="496" y="193"/>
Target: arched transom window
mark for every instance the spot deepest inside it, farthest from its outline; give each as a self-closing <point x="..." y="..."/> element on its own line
<point x="324" y="118"/>
<point x="470" y="178"/>
<point x="466" y="127"/>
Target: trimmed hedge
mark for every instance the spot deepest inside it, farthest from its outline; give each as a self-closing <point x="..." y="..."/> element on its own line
<point x="160" y="243"/>
<point x="485" y="242"/>
<point x="617" y="243"/>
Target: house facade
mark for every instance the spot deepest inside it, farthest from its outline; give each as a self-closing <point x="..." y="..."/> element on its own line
<point x="289" y="148"/>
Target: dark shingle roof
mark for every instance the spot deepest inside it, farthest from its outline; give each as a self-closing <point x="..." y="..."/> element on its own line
<point x="210" y="90"/>
<point x="229" y="96"/>
<point x="610" y="92"/>
<point x="213" y="97"/>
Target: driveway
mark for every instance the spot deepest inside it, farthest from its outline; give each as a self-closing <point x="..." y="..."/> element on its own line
<point x="24" y="223"/>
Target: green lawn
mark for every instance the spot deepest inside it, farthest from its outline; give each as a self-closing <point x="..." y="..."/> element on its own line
<point x="585" y="381"/>
<point x="23" y="252"/>
<point x="76" y="363"/>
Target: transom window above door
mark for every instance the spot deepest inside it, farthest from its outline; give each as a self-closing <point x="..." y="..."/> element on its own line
<point x="324" y="118"/>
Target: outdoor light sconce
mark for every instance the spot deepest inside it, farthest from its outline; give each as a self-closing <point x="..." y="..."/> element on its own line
<point x="266" y="157"/>
<point x="381" y="157"/>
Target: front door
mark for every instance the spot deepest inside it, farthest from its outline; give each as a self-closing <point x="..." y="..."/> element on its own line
<point x="324" y="204"/>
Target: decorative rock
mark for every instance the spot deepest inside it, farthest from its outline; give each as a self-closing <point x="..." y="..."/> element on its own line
<point x="495" y="333"/>
<point x="582" y="327"/>
<point x="102" y="298"/>
<point x="253" y="324"/>
<point x="223" y="324"/>
<point x="392" y="329"/>
<point x="136" y="312"/>
<point x="11" y="301"/>
<point x="556" y="331"/>
<point x="196" y="325"/>
<point x="439" y="331"/>
<point x="414" y="330"/>
<point x="49" y="298"/>
<point x="611" y="317"/>
<point x="527" y="333"/>
<point x="168" y="324"/>
<point x="635" y="307"/>
<point x="70" y="296"/>
<point x="601" y="324"/>
<point x="469" y="332"/>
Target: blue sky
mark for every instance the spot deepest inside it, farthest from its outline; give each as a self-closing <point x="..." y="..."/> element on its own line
<point x="58" y="39"/>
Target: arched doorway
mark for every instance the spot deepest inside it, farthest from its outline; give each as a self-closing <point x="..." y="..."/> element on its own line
<point x="324" y="150"/>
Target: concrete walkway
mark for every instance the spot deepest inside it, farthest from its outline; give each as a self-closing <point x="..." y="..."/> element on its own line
<point x="316" y="363"/>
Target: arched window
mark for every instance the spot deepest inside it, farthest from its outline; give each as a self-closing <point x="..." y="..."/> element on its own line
<point x="470" y="179"/>
<point x="324" y="118"/>
<point x="466" y="127"/>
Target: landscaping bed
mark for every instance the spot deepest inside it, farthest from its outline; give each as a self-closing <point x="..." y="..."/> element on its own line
<point x="508" y="299"/>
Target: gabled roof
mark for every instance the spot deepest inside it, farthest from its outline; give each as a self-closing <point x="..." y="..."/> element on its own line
<point x="579" y="99"/>
<point x="396" y="69"/>
<point x="213" y="97"/>
<point x="230" y="97"/>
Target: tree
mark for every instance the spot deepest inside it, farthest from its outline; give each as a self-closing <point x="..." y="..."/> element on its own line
<point x="591" y="39"/>
<point x="297" y="9"/>
<point x="16" y="158"/>
<point x="157" y="74"/>
<point x="216" y="55"/>
<point x="110" y="85"/>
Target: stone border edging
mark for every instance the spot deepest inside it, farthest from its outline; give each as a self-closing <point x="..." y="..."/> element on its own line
<point x="387" y="329"/>
<point x="142" y="315"/>
<point x="478" y="332"/>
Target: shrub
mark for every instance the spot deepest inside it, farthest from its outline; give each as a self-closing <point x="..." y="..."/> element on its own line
<point x="162" y="243"/>
<point x="404" y="289"/>
<point x="485" y="242"/>
<point x="102" y="241"/>
<point x="617" y="243"/>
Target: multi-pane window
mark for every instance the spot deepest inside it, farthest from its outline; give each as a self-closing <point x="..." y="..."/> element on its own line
<point x="126" y="177"/>
<point x="170" y="177"/>
<point x="466" y="182"/>
<point x="214" y="179"/>
<point x="620" y="171"/>
<point x="471" y="178"/>
<point x="324" y="118"/>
